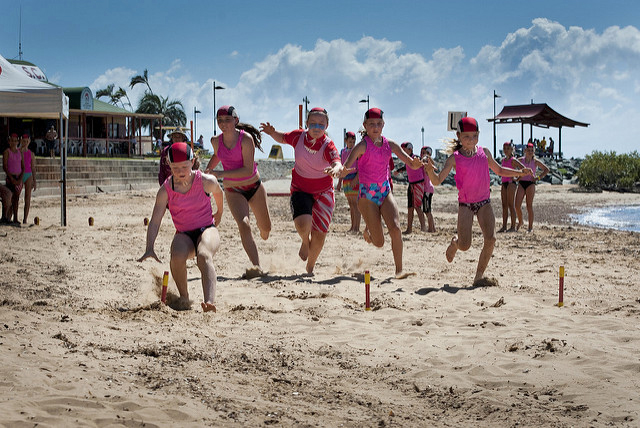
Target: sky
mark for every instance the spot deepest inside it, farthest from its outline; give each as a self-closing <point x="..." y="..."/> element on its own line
<point x="416" y="60"/>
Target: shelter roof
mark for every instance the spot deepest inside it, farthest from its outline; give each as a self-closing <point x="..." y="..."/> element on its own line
<point x="540" y="115"/>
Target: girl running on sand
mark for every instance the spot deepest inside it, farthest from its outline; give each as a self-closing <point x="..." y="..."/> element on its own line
<point x="472" y="164"/>
<point x="508" y="188"/>
<point x="375" y="199"/>
<point x="312" y="198"/>
<point x="349" y="184"/>
<point x="235" y="148"/>
<point x="425" y="155"/>
<point x="187" y="193"/>
<point x="527" y="184"/>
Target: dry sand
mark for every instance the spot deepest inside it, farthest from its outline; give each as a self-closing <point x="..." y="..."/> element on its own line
<point x="84" y="340"/>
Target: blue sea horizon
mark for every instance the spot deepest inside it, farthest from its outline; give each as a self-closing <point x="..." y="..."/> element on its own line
<point x="618" y="217"/>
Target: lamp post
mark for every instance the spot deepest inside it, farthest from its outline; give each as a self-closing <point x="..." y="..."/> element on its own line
<point x="215" y="132"/>
<point x="494" y="121"/>
<point x="422" y="130"/>
<point x="365" y="101"/>
<point x="195" y="120"/>
<point x="305" y="100"/>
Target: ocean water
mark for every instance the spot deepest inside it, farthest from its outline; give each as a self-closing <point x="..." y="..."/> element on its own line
<point x="622" y="217"/>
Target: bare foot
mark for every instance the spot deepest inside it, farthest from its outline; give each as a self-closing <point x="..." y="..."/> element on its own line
<point x="513" y="229"/>
<point x="451" y="249"/>
<point x="407" y="232"/>
<point x="367" y="236"/>
<point x="208" y="307"/>
<point x="530" y="230"/>
<point x="403" y="275"/>
<point x="182" y="304"/>
<point x="304" y="251"/>
<point x="253" y="272"/>
<point x="424" y="229"/>
<point x="503" y="229"/>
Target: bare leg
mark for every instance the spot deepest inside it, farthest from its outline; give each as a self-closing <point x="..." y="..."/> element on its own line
<point x="354" y="212"/>
<point x="504" y="197"/>
<point x="316" y="244"/>
<point x="389" y="211"/>
<point x="423" y="228"/>
<point x="531" y="192"/>
<point x="303" y="227"/>
<point x="258" y="204"/>
<point x="461" y="241"/>
<point x="239" y="208"/>
<point x="487" y="223"/>
<point x="371" y="214"/>
<point x="181" y="249"/>
<point x="28" y="188"/>
<point x="409" y="228"/>
<point x="511" y="199"/>
<point x="207" y="248"/>
<point x="432" y="224"/>
<point x="519" y="197"/>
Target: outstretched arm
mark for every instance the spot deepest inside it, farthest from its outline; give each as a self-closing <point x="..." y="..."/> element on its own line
<point x="154" y="225"/>
<point x="357" y="151"/>
<point x="440" y="177"/>
<point x="211" y="186"/>
<point x="268" y="129"/>
<point x="503" y="170"/>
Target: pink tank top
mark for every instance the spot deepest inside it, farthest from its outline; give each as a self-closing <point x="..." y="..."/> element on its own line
<point x="14" y="163"/>
<point x="232" y="159"/>
<point x="310" y="165"/>
<point x="532" y="165"/>
<point x="344" y="155"/>
<point x="507" y="162"/>
<point x="415" y="175"/>
<point x="472" y="177"/>
<point x="373" y="165"/>
<point x="191" y="210"/>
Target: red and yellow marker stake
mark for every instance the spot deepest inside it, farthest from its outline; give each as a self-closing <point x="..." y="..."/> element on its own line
<point x="367" y="282"/>
<point x="90" y="221"/>
<point x="146" y="221"/>
<point x="165" y="284"/>
<point x="36" y="221"/>
<point x="561" y="288"/>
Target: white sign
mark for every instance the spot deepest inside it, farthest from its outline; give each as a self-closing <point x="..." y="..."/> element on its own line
<point x="454" y="118"/>
<point x="86" y="99"/>
<point x="32" y="71"/>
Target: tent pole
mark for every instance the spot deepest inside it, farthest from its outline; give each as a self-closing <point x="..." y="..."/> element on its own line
<point x="63" y="173"/>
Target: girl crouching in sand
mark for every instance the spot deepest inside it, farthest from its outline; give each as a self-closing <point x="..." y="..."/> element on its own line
<point x="472" y="164"/>
<point x="187" y="194"/>
<point x="376" y="202"/>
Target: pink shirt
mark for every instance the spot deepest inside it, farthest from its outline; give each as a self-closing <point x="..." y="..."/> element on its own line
<point x="232" y="159"/>
<point x="308" y="172"/>
<point x="428" y="186"/>
<point x="532" y="165"/>
<point x="415" y="175"/>
<point x="191" y="210"/>
<point x="472" y="177"/>
<point x="373" y="165"/>
<point x="344" y="155"/>
<point x="507" y="162"/>
<point x="14" y="162"/>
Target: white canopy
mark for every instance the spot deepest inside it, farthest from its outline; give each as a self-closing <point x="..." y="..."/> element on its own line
<point x="22" y="96"/>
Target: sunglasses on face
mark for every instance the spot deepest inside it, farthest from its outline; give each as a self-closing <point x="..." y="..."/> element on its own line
<point x="316" y="126"/>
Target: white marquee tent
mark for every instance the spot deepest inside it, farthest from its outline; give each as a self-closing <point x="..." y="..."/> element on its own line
<point x="22" y="96"/>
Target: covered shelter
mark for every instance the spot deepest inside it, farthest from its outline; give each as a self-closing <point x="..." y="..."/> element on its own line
<point x="540" y="115"/>
<point x="24" y="96"/>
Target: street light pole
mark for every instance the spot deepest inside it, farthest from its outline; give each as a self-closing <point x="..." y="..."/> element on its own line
<point x="422" y="136"/>
<point x="195" y="120"/>
<point x="215" y="132"/>
<point x="365" y="101"/>
<point x="305" y="100"/>
<point x="494" y="121"/>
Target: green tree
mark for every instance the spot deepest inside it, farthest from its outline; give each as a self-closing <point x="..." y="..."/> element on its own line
<point x="172" y="110"/>
<point x="115" y="97"/>
<point x="141" y="78"/>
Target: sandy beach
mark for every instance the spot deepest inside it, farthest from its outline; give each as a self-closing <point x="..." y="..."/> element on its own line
<point x="84" y="340"/>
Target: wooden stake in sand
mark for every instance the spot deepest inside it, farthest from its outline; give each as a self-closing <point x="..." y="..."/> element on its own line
<point x="561" y="288"/>
<point x="165" y="284"/>
<point x="367" y="281"/>
<point x="90" y="221"/>
<point x="146" y="221"/>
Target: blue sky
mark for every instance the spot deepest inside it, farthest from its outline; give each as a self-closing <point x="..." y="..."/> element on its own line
<point x="415" y="59"/>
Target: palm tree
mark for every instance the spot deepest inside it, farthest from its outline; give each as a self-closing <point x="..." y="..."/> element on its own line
<point x="144" y="78"/>
<point x="172" y="110"/>
<point x="114" y="97"/>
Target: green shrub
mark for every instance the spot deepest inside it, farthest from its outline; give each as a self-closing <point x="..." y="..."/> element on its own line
<point x="607" y="170"/>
